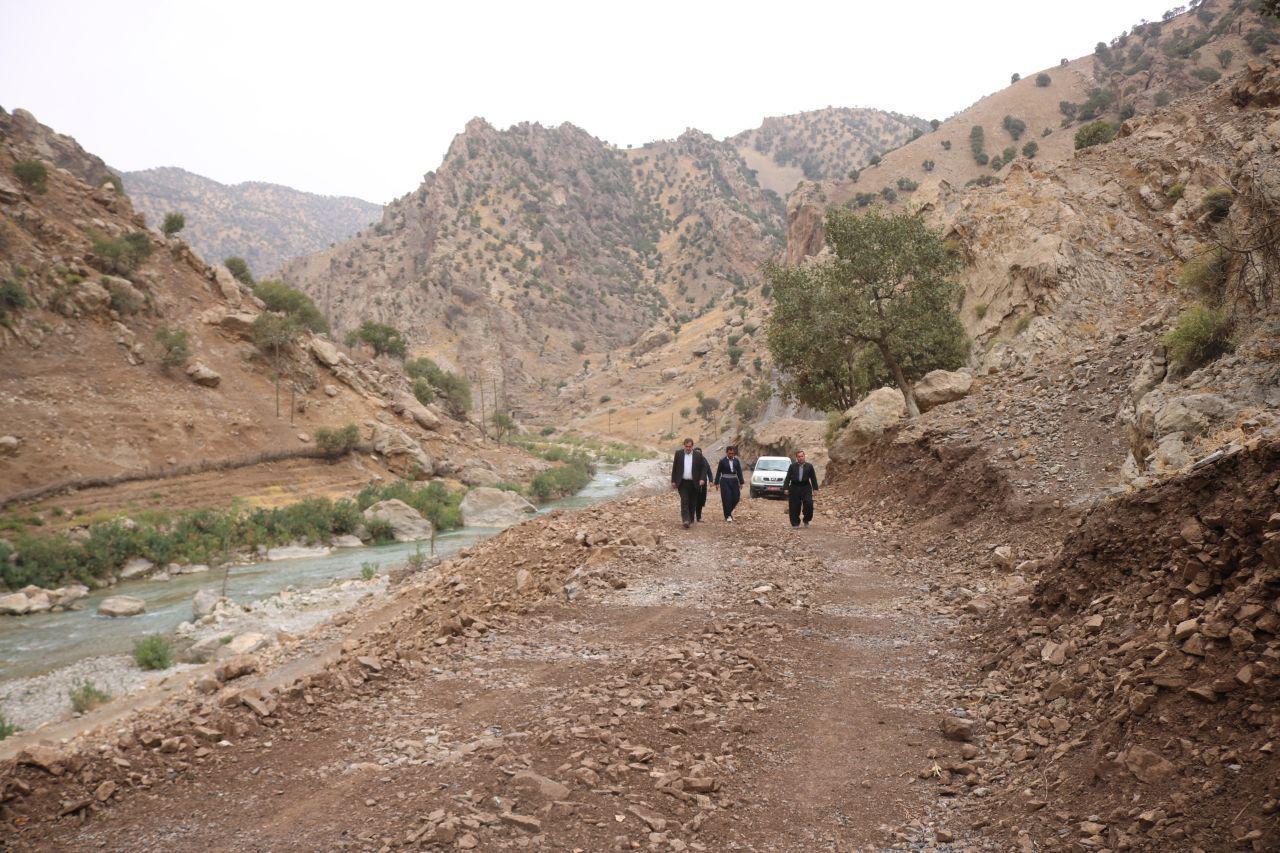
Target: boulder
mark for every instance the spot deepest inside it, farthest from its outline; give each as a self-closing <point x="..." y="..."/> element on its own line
<point x="1150" y="767"/>
<point x="14" y="604"/>
<point x="121" y="605"/>
<point x="346" y="540"/>
<point x="246" y="643"/>
<point x="876" y="413"/>
<point x="9" y="445"/>
<point x="38" y="602"/>
<point x="296" y="552"/>
<point x="1192" y="414"/>
<point x="477" y="476"/>
<point x="201" y="374"/>
<point x="204" y="602"/>
<point x="204" y="650"/>
<point x="488" y="507"/>
<point x="91" y="296"/>
<point x="407" y="524"/>
<point x="227" y="285"/>
<point x="650" y="341"/>
<point x="394" y="444"/>
<point x="326" y="353"/>
<point x="408" y="405"/>
<point x="136" y="568"/>
<point x="538" y="788"/>
<point x="239" y="323"/>
<point x="942" y="386"/>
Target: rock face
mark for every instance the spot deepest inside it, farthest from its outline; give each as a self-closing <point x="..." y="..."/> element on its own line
<point x="402" y="451"/>
<point x="942" y="386"/>
<point x="407" y="524"/>
<point x="487" y="507"/>
<point x="14" y="604"/>
<point x="122" y="605"/>
<point x="879" y="411"/>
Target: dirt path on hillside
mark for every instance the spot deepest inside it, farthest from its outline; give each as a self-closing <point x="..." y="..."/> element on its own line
<point x="758" y="689"/>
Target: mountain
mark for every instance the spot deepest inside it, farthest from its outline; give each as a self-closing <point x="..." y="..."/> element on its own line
<point x="821" y="144"/>
<point x="91" y="303"/>
<point x="266" y="224"/>
<point x="532" y="245"/>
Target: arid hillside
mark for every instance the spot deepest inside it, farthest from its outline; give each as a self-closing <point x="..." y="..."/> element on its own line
<point x="126" y="355"/>
<point x="533" y="245"/>
<point x="265" y="224"/>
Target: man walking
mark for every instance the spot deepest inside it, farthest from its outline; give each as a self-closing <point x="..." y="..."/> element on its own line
<point x="703" y="479"/>
<point x="729" y="480"/>
<point x="686" y="468"/>
<point x="800" y="484"/>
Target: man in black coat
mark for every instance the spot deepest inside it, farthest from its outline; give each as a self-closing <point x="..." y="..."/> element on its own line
<point x="729" y="480"/>
<point x="702" y="487"/>
<point x="800" y="484"/>
<point x="688" y="472"/>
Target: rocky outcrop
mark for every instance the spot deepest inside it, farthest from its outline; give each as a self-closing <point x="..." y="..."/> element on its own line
<point x="488" y="507"/>
<point x="402" y="451"/>
<point x="869" y="419"/>
<point x="407" y="524"/>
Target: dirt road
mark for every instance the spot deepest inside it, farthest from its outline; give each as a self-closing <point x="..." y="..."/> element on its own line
<point x="752" y="688"/>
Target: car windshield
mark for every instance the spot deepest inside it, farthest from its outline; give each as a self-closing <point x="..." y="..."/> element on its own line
<point x="772" y="464"/>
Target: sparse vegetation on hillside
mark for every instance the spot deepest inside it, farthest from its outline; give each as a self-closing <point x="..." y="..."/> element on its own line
<point x="1030" y="149"/>
<point x="85" y="696"/>
<point x="175" y="348"/>
<point x="1095" y="133"/>
<point x="13" y="298"/>
<point x="1015" y="126"/>
<point x="1216" y="203"/>
<point x="120" y="255"/>
<point x="434" y="500"/>
<point x="1043" y="80"/>
<point x="239" y="270"/>
<point x="32" y="174"/>
<point x="152" y="652"/>
<point x="1201" y="335"/>
<point x="976" y="144"/>
<point x="382" y="338"/>
<point x="273" y="334"/>
<point x="452" y="387"/>
<point x="340" y="441"/>
<point x="291" y="302"/>
<point x="173" y="223"/>
<point x="6" y="728"/>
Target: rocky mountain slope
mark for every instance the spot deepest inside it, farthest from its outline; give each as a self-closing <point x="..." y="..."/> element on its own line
<point x="1034" y="120"/>
<point x="533" y="245"/>
<point x="266" y="224"/>
<point x="96" y="388"/>
<point x="821" y="145"/>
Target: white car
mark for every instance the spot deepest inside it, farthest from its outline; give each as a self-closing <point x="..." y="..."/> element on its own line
<point x="767" y="476"/>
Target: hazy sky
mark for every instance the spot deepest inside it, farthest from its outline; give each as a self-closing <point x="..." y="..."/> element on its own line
<point x="362" y="98"/>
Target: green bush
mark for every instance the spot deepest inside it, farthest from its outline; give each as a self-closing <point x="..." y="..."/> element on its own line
<point x="384" y="339"/>
<point x="6" y="728"/>
<point x="1216" y="203"/>
<point x="424" y="391"/>
<point x="1068" y="109"/>
<point x="153" y="652"/>
<point x="33" y="175"/>
<point x="1014" y="77"/>
<point x="1043" y="80"/>
<point x="291" y="302"/>
<point x="1205" y="276"/>
<point x="272" y="334"/>
<point x="85" y="697"/>
<point x="174" y="347"/>
<point x="453" y="387"/>
<point x="1162" y="98"/>
<point x="13" y="297"/>
<point x="1031" y="149"/>
<point x="173" y="223"/>
<point x="239" y="270"/>
<point x="368" y="571"/>
<point x="338" y="442"/>
<point x="433" y="500"/>
<point x="1224" y="58"/>
<point x="1095" y="133"/>
<point x="1207" y="74"/>
<point x="873" y="160"/>
<point x="1175" y="192"/>
<point x="121" y="255"/>
<point x="976" y="144"/>
<point x="735" y="355"/>
<point x="927" y="165"/>
<point x="1015" y="126"/>
<point x="907" y="185"/>
<point x="563" y="480"/>
<point x="1201" y="335"/>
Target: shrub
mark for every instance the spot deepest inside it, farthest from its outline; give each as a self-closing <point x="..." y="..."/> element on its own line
<point x="1068" y="109"/>
<point x="433" y="500"/>
<point x="12" y="298"/>
<point x="604" y="398"/>
<point x="1162" y="98"/>
<point x="1008" y="154"/>
<point x="380" y="530"/>
<point x="946" y="145"/>
<point x="239" y="270"/>
<point x="1207" y="74"/>
<point x="6" y="728"/>
<point x="273" y="333"/>
<point x="854" y="174"/>
<point x="546" y="431"/>
<point x="337" y="442"/>
<point x="368" y="571"/>
<point x="173" y="223"/>
<point x="1205" y="276"/>
<point x="32" y="174"/>
<point x="1175" y="192"/>
<point x="1014" y="78"/>
<point x="927" y="165"/>
<point x="980" y="310"/>
<point x="889" y="195"/>
<point x="1095" y="133"/>
<point x="997" y="163"/>
<point x="453" y="387"/>
<point x="1015" y="126"/>
<point x="873" y="160"/>
<point x="292" y="302"/>
<point x="1216" y="203"/>
<point x="685" y="412"/>
<point x="174" y="347"/>
<point x="1030" y="149"/>
<point x="563" y="480"/>
<point x="907" y="185"/>
<point x="1043" y="80"/>
<point x="384" y="339"/>
<point x="423" y="391"/>
<point x="1201" y="335"/>
<point x="707" y="406"/>
<point x="85" y="697"/>
<point x="153" y="652"/>
<point x="124" y="300"/>
<point x="579" y="345"/>
<point x="735" y="355"/>
<point x="976" y="145"/>
<point x="121" y="255"/>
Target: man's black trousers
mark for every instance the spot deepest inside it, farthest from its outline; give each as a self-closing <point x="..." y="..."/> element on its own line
<point x="730" y="494"/>
<point x="800" y="499"/>
<point x="688" y="500"/>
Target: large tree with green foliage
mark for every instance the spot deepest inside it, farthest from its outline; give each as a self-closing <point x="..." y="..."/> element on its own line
<point x="883" y="307"/>
<point x="278" y="296"/>
<point x="383" y="338"/>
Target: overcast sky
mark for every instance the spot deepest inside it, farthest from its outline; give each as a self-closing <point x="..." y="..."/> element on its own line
<point x="362" y="98"/>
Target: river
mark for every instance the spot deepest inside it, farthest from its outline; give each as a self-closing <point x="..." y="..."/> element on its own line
<point x="31" y="645"/>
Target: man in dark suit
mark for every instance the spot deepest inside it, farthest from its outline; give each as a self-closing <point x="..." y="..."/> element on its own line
<point x="729" y="480"/>
<point x="702" y="487"/>
<point x="800" y="484"/>
<point x="688" y="473"/>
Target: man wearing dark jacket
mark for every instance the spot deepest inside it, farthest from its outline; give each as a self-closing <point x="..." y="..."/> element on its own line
<point x="702" y="486"/>
<point x="688" y="472"/>
<point x="729" y="480"/>
<point x="800" y="484"/>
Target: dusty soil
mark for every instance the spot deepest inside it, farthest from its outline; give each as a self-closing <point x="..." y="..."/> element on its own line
<point x="755" y="688"/>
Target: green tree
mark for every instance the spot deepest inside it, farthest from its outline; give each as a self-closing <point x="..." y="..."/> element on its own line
<point x="173" y="223"/>
<point x="1015" y="126"/>
<point x="174" y="347"/>
<point x="887" y="289"/>
<point x="1225" y="57"/>
<point x="285" y="299"/>
<point x="33" y="175"/>
<point x="239" y="270"/>
<point x="503" y="425"/>
<point x="453" y="387"/>
<point x="382" y="338"/>
<point x="1095" y="133"/>
<point x="1031" y="149"/>
<point x="1043" y="80"/>
<point x="272" y="334"/>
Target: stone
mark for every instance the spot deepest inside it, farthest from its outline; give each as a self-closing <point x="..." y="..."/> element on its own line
<point x="204" y="602"/>
<point x="393" y="442"/>
<point x="1150" y="767"/>
<point x="1185" y="628"/>
<point x="1054" y="654"/>
<point x="201" y="374"/>
<point x="1191" y="414"/>
<point x="650" y="341"/>
<point x="246" y="643"/>
<point x="347" y="540"/>
<point x="121" y="605"/>
<point x="104" y="791"/>
<point x="239" y="323"/>
<point x="523" y="579"/>
<point x="327" y="354"/>
<point x="38" y="602"/>
<point x="1003" y="557"/>
<point x="14" y="604"/>
<point x="477" y="476"/>
<point x="942" y="386"/>
<point x="957" y="728"/>
<point x="488" y="507"/>
<point x="9" y="445"/>
<point x="203" y="651"/>
<point x="528" y="824"/>
<point x="331" y="390"/>
<point x="408" y="405"/>
<point x="296" y="552"/>
<point x="227" y="286"/>
<point x="136" y="568"/>
<point x="45" y="758"/>
<point x="869" y="419"/>
<point x="235" y="667"/>
<point x="537" y="787"/>
<point x="407" y="524"/>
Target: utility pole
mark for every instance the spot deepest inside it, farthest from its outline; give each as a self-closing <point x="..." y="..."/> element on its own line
<point x="483" y="435"/>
